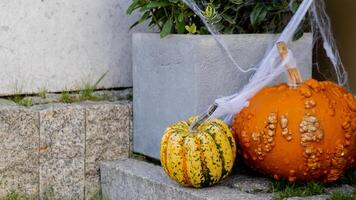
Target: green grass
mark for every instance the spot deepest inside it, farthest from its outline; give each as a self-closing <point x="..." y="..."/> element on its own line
<point x="42" y="93"/>
<point x="26" y="102"/>
<point x="343" y="196"/>
<point x="21" y="100"/>
<point x="17" y="196"/>
<point x="283" y="189"/>
<point x="67" y="98"/>
<point x="88" y="91"/>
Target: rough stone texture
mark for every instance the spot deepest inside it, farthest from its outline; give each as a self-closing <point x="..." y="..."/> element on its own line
<point x="131" y="179"/>
<point x="341" y="188"/>
<point x="189" y="77"/>
<point x="19" y="142"/>
<point x="57" y="45"/>
<point x="56" y="148"/>
<point x="248" y="184"/>
<point x="5" y="102"/>
<point x="316" y="197"/>
<point x="62" y="140"/>
<point x="107" y="138"/>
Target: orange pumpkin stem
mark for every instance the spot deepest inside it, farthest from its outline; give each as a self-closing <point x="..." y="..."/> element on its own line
<point x="294" y="77"/>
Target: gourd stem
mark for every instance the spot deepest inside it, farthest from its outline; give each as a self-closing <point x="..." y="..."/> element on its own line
<point x="203" y="117"/>
<point x="294" y="76"/>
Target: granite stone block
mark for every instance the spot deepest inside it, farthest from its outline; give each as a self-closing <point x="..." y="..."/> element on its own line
<point x="19" y="154"/>
<point x="62" y="151"/>
<point x="108" y="130"/>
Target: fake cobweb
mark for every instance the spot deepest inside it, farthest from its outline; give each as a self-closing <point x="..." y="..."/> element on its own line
<point x="271" y="66"/>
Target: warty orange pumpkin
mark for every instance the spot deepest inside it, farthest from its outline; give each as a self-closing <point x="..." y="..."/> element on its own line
<point x="300" y="134"/>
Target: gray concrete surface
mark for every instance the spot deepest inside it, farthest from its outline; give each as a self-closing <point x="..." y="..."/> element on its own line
<point x="137" y="180"/>
<point x="62" y="45"/>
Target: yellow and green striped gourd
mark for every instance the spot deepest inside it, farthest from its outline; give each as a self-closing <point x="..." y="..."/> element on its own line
<point x="199" y="157"/>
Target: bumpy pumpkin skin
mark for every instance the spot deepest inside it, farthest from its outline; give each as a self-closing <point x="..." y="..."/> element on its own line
<point x="200" y="158"/>
<point x="301" y="134"/>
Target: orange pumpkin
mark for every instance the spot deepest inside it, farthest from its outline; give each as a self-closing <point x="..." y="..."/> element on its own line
<point x="301" y="134"/>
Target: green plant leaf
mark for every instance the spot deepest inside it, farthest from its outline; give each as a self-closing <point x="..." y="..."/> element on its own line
<point x="141" y="20"/>
<point x="228" y="16"/>
<point x="156" y="4"/>
<point x="167" y="27"/>
<point x="238" y="2"/>
<point x="180" y="27"/>
<point x="192" y="29"/>
<point x="258" y="14"/>
<point x="294" y="6"/>
<point x="180" y="17"/>
<point x="133" y="7"/>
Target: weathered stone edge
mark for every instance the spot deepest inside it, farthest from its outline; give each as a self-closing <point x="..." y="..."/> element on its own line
<point x="156" y="185"/>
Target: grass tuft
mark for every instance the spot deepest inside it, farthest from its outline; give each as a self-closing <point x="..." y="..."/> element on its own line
<point x="21" y="100"/>
<point x="283" y="189"/>
<point x="88" y="91"/>
<point x="67" y="98"/>
<point x="17" y="196"/>
<point x="42" y="93"/>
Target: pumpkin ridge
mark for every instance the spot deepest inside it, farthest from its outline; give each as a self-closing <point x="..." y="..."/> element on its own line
<point x="164" y="146"/>
<point x="205" y="171"/>
<point x="228" y="134"/>
<point x="194" y="163"/>
<point x="174" y="157"/>
<point x="185" y="165"/>
<point x="221" y="153"/>
<point x="214" y="162"/>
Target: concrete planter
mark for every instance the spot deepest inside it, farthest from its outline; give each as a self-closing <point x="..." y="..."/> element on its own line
<point x="181" y="75"/>
<point x="61" y="45"/>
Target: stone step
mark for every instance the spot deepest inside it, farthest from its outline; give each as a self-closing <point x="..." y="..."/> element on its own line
<point x="131" y="179"/>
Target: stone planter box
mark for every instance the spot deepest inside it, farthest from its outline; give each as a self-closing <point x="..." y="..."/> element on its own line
<point x="181" y="75"/>
<point x="62" y="45"/>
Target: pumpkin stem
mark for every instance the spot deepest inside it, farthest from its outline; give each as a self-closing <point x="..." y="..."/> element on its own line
<point x="294" y="77"/>
<point x="203" y="117"/>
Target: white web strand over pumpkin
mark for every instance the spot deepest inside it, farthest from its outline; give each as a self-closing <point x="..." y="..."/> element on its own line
<point x="320" y="23"/>
<point x="271" y="66"/>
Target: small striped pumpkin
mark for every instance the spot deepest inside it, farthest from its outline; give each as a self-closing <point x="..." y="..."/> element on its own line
<point x="198" y="158"/>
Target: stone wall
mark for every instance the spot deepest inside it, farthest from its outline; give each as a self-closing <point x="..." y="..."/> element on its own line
<point x="57" y="147"/>
<point x="62" y="45"/>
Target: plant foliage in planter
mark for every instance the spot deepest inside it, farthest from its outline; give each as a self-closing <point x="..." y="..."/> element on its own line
<point x="228" y="16"/>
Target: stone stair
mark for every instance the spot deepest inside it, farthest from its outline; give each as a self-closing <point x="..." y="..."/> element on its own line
<point x="131" y="179"/>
